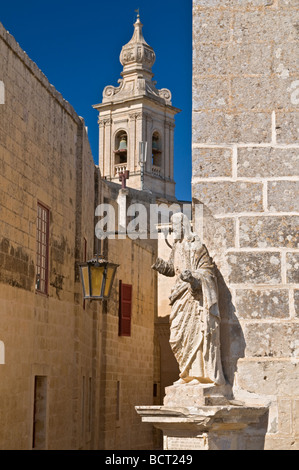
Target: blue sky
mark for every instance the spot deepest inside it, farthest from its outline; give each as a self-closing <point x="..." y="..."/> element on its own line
<point x="77" y="46"/>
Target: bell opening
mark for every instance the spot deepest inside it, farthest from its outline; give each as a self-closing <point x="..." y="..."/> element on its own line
<point x="121" y="148"/>
<point x="156" y="150"/>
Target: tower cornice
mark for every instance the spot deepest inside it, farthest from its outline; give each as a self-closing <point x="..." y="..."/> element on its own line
<point x="136" y="100"/>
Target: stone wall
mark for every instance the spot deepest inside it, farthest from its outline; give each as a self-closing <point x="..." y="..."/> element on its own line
<point x="87" y="378"/>
<point x="44" y="157"/>
<point x="245" y="173"/>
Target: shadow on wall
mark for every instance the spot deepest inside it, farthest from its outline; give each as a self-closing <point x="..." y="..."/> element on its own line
<point x="169" y="369"/>
<point x="232" y="349"/>
<point x="231" y="333"/>
<point x="218" y="235"/>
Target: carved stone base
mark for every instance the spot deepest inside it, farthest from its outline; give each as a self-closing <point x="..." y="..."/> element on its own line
<point x="194" y="395"/>
<point x="209" y="427"/>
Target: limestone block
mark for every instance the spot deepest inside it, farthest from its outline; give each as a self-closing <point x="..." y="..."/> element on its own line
<point x="289" y="3"/>
<point x="219" y="127"/>
<point x="262" y="232"/>
<point x="262" y="93"/>
<point x="284" y="62"/>
<point x="210" y="94"/>
<point x="273" y="442"/>
<point x="272" y="340"/>
<point x="266" y="377"/>
<point x="212" y="162"/>
<point x="255" y="268"/>
<point x="212" y="26"/>
<point x="268" y="162"/>
<point x="293" y="268"/>
<point x="217" y="233"/>
<point x="229" y="197"/>
<point x="264" y="26"/>
<point x="259" y="304"/>
<point x="240" y="4"/>
<point x="249" y="58"/>
<point x="284" y="416"/>
<point x="283" y="196"/>
<point x="191" y="395"/>
<point x="215" y="60"/>
<point x="209" y="59"/>
<point x="287" y="125"/>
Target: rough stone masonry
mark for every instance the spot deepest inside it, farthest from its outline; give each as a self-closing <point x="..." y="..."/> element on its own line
<point x="245" y="173"/>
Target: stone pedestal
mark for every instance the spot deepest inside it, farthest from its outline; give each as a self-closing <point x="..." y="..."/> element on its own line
<point x="205" y="417"/>
<point x="194" y="395"/>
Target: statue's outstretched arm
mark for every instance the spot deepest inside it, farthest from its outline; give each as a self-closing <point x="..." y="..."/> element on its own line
<point x="164" y="267"/>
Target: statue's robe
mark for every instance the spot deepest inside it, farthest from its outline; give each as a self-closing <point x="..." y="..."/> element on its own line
<point x="195" y="317"/>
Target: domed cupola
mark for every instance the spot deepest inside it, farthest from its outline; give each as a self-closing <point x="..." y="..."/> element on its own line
<point x="137" y="59"/>
<point x="137" y="55"/>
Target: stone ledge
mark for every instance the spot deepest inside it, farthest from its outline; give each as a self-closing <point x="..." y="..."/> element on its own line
<point x="202" y="419"/>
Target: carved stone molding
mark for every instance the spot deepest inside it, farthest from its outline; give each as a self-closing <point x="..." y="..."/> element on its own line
<point x="170" y="124"/>
<point x="137" y="116"/>
<point x="104" y="122"/>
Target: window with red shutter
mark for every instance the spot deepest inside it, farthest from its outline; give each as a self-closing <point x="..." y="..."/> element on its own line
<point x="125" y="309"/>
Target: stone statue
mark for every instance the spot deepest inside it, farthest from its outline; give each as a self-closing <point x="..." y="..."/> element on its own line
<point x="195" y="317"/>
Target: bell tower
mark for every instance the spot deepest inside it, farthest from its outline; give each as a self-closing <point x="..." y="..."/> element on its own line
<point x="137" y="112"/>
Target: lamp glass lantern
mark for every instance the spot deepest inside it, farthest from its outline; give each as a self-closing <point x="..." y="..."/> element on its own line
<point x="142" y="152"/>
<point x="97" y="276"/>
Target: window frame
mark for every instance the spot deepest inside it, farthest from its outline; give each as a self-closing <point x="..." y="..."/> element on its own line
<point x="39" y="244"/>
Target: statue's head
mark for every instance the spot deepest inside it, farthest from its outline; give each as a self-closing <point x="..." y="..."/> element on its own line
<point x="181" y="227"/>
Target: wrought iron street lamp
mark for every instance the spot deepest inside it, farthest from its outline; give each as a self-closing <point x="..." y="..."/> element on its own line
<point x="97" y="276"/>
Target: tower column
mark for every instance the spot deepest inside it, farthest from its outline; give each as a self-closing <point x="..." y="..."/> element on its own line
<point x="166" y="153"/>
<point x="108" y="155"/>
<point x="139" y="136"/>
<point x="171" y="151"/>
<point x="104" y="169"/>
<point x="132" y="143"/>
<point x="149" y="129"/>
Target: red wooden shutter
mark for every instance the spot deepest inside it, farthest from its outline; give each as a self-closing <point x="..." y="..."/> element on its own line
<point x="125" y="309"/>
